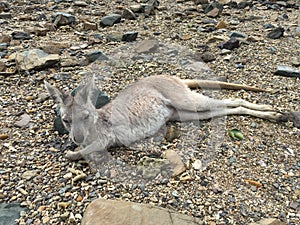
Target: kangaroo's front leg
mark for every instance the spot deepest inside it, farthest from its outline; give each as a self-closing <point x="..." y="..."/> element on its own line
<point x="77" y="155"/>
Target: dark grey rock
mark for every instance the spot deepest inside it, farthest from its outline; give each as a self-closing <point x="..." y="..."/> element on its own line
<point x="110" y="20"/>
<point x="268" y="26"/>
<point x="287" y="71"/>
<point x="129" y="36"/>
<point x="129" y="14"/>
<point x="5" y="16"/>
<point x="116" y="37"/>
<point x="235" y="34"/>
<point x="20" y="35"/>
<point x="9" y="213"/>
<point x="231" y="44"/>
<point x="96" y="55"/>
<point x="62" y="19"/>
<point x="276" y="33"/>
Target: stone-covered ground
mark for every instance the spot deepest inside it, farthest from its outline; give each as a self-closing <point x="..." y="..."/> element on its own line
<point x="245" y="180"/>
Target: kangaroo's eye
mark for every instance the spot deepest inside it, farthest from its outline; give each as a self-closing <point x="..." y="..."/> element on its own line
<point x="66" y="121"/>
<point x="86" y="115"/>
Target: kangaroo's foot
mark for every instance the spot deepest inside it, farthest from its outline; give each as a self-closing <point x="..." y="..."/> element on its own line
<point x="73" y="156"/>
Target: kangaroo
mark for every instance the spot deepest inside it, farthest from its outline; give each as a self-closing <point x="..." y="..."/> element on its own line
<point x="141" y="109"/>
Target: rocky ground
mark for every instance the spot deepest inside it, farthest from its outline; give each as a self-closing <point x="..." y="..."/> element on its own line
<point x="246" y="179"/>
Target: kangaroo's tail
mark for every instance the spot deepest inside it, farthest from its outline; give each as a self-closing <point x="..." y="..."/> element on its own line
<point x="211" y="84"/>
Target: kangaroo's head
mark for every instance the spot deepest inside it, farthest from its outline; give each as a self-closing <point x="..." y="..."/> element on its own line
<point x="78" y="114"/>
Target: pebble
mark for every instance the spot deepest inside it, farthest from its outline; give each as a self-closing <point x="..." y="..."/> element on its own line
<point x="20" y="35"/>
<point x="129" y="14"/>
<point x="276" y="33"/>
<point x="23" y="121"/>
<point x="230" y="45"/>
<point x="110" y="20"/>
<point x="3" y="136"/>
<point x="62" y="19"/>
<point x="197" y="165"/>
<point x="129" y="36"/>
<point x="287" y="71"/>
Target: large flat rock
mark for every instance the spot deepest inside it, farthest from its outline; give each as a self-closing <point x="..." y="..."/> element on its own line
<point x="115" y="212"/>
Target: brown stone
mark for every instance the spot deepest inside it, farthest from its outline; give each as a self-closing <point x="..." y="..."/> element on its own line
<point x="114" y="212"/>
<point x="89" y="26"/>
<point x="213" y="13"/>
<point x="176" y="162"/>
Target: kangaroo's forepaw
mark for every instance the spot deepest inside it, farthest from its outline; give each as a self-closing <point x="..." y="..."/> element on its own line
<point x="73" y="156"/>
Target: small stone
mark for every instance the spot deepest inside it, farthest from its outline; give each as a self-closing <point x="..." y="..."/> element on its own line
<point x="276" y="33"/>
<point x="294" y="205"/>
<point x="129" y="36"/>
<point x="72" y="218"/>
<point x="5" y="15"/>
<point x="95" y="55"/>
<point x="29" y="174"/>
<point x="3" y="136"/>
<point x="296" y="61"/>
<point x="287" y="71"/>
<point x="197" y="165"/>
<point x="22" y="191"/>
<point x="221" y="24"/>
<point x="40" y="31"/>
<point x="116" y="37"/>
<point x="225" y="52"/>
<point x="24" y="121"/>
<point x="213" y="13"/>
<point x="61" y="19"/>
<point x="129" y="14"/>
<point x="172" y="133"/>
<point x="79" y="198"/>
<point x="20" y="35"/>
<point x="4" y="38"/>
<point x="80" y="3"/>
<point x="45" y="219"/>
<point x="110" y="20"/>
<point x="235" y="34"/>
<point x="63" y="205"/>
<point x="79" y="177"/>
<point x="231" y="44"/>
<point x="89" y="26"/>
<point x="176" y="162"/>
<point x="138" y="8"/>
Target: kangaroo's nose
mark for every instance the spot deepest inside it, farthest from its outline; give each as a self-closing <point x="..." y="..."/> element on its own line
<point x="78" y="139"/>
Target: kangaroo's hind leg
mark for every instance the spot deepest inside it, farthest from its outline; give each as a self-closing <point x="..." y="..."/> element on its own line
<point x="195" y="102"/>
<point x="182" y="115"/>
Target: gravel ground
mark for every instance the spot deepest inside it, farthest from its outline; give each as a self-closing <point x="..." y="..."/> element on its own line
<point x="245" y="180"/>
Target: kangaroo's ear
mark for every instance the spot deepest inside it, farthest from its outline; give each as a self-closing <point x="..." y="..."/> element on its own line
<point x="58" y="96"/>
<point x="86" y="92"/>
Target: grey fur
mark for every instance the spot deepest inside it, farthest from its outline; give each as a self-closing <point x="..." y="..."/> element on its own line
<point x="140" y="111"/>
